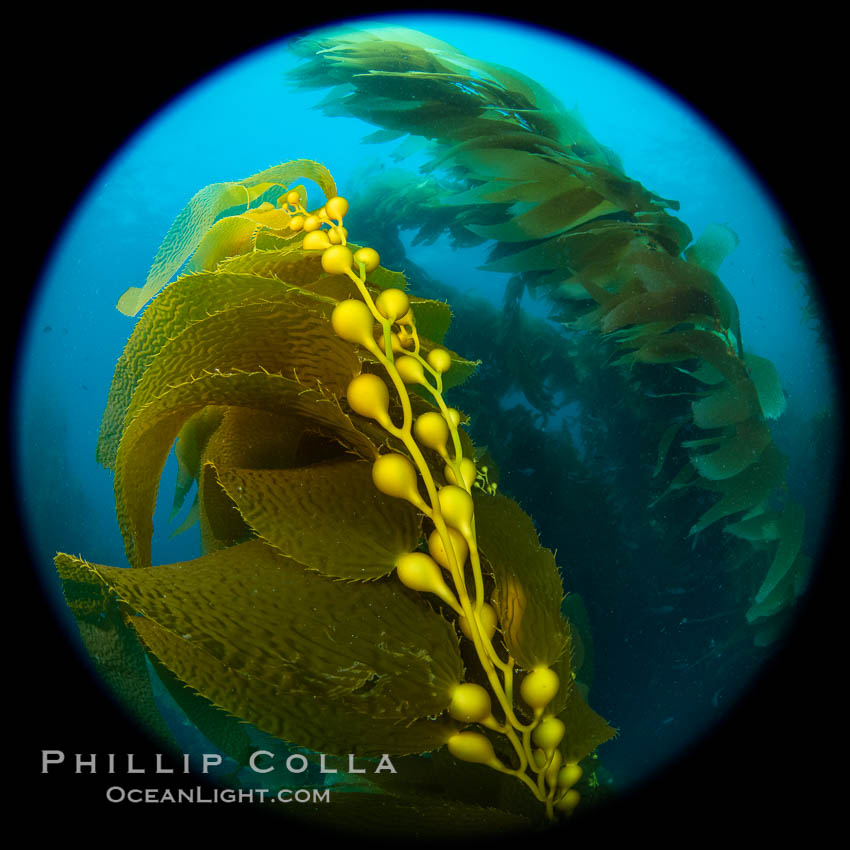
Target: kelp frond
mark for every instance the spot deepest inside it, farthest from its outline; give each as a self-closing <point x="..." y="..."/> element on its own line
<point x="566" y="221"/>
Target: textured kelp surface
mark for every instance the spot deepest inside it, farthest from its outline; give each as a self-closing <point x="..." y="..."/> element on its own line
<point x="292" y="619"/>
<point x="509" y="163"/>
<point x="196" y="219"/>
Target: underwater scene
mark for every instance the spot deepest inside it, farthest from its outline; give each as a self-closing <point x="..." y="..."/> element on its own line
<point x="448" y="459"/>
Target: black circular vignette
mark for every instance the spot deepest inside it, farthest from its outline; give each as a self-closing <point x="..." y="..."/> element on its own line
<point x="766" y="85"/>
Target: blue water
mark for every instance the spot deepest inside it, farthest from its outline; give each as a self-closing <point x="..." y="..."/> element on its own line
<point x="74" y="335"/>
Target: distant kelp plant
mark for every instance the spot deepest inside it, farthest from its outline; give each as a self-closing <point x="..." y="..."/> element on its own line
<point x="360" y="589"/>
<point x="508" y="163"/>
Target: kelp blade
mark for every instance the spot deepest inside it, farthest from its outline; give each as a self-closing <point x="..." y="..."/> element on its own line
<point x="328" y="664"/>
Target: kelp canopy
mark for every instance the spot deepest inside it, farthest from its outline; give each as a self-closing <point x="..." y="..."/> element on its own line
<point x="508" y="164"/>
<point x="300" y="616"/>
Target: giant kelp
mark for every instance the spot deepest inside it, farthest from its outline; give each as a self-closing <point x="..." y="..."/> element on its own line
<point x="279" y="376"/>
<point x="509" y="164"/>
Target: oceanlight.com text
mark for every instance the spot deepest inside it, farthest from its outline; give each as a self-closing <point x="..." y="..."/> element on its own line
<point x="199" y="794"/>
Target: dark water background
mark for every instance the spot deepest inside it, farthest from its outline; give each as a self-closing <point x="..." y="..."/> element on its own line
<point x="234" y="125"/>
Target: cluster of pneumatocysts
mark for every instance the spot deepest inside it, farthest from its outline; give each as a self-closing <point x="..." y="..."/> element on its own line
<point x="451" y="568"/>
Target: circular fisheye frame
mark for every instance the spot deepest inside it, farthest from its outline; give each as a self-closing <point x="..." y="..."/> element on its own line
<point x="425" y="426"/>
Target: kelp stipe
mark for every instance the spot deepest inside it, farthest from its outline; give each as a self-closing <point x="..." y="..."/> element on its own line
<point x="361" y="588"/>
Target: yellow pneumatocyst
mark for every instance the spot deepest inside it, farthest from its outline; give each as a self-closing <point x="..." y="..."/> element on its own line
<point x="312" y="223"/>
<point x="395" y="475"/>
<point x="473" y="747"/>
<point x="456" y="507"/>
<point x="315" y="240"/>
<point x="352" y="321"/>
<point x="296" y="223"/>
<point x="467" y="470"/>
<point x="369" y="257"/>
<point x="410" y="370"/>
<point x="397" y="344"/>
<point x="418" y="571"/>
<point x="568" y="802"/>
<point x="336" y="208"/>
<point x="293" y="198"/>
<point x="368" y="395"/>
<point x="488" y="618"/>
<point x="438" y="550"/>
<point x="539" y="687"/>
<point x="392" y="303"/>
<point x="337" y="260"/>
<point x="539" y="759"/>
<point x="440" y="360"/>
<point x="549" y="733"/>
<point x="568" y="775"/>
<point x="470" y="703"/>
<point x="430" y="430"/>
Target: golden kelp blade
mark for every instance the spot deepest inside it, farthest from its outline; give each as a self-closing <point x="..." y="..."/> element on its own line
<point x="246" y="627"/>
<point x="223" y="730"/>
<point x="113" y="647"/>
<point x="233" y="436"/>
<point x="586" y="730"/>
<point x="528" y="587"/>
<point x="261" y="279"/>
<point x="247" y="438"/>
<point x="186" y="232"/>
<point x="190" y="445"/>
<point x="247" y="338"/>
<point x="228" y="236"/>
<point x="148" y="439"/>
<point x="289" y="263"/>
<point x="221" y="526"/>
<point x="190" y="299"/>
<point x="196" y="218"/>
<point x="317" y="721"/>
<point x="327" y="516"/>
